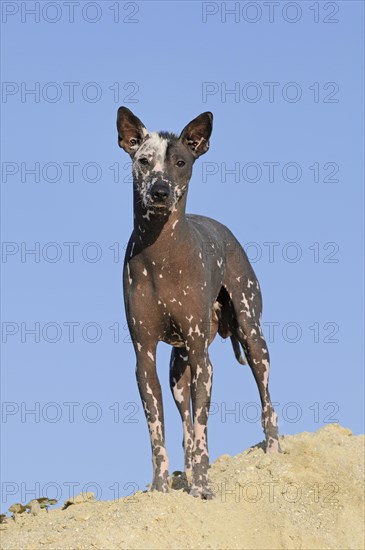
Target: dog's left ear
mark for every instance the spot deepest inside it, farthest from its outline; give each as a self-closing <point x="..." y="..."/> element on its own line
<point x="195" y="136"/>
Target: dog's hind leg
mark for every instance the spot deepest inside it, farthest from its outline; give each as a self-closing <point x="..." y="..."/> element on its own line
<point x="180" y="383"/>
<point x="254" y="345"/>
<point x="247" y="304"/>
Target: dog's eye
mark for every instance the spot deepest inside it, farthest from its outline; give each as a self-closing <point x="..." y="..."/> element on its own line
<point x="180" y="163"/>
<point x="143" y="161"/>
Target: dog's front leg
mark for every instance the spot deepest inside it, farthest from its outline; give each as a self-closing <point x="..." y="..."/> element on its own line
<point x="201" y="386"/>
<point x="150" y="392"/>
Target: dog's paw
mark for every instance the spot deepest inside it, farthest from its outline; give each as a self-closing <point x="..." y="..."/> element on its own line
<point x="161" y="484"/>
<point x="205" y="493"/>
<point x="272" y="446"/>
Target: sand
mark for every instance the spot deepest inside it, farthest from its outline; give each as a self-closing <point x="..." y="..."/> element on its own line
<point x="309" y="497"/>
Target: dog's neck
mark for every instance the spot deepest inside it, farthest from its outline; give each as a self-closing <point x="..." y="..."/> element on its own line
<point x="158" y="226"/>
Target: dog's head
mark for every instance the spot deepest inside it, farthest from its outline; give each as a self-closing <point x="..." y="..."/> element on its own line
<point x="162" y="161"/>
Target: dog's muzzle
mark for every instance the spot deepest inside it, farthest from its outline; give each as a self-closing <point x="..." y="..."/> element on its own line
<point x="160" y="195"/>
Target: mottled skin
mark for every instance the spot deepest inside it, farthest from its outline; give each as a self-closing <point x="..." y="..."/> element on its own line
<point x="186" y="277"/>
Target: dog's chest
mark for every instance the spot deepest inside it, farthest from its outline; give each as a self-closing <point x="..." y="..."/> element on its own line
<point x="171" y="273"/>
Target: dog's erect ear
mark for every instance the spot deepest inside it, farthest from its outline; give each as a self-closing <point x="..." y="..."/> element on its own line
<point x="131" y="131"/>
<point x="195" y="136"/>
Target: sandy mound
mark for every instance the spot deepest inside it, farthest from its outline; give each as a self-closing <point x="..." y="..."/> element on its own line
<point x="309" y="497"/>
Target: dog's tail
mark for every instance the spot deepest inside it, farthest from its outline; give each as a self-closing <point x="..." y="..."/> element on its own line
<point x="237" y="351"/>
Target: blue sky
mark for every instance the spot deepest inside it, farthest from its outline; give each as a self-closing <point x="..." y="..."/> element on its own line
<point x="284" y="172"/>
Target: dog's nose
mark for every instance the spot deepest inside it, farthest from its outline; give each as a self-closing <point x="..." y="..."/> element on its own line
<point x="160" y="193"/>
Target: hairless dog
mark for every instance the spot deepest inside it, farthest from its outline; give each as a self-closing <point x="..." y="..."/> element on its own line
<point x="186" y="277"/>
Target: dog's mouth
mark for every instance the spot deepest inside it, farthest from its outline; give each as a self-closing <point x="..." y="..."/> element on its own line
<point x="159" y="206"/>
<point x="157" y="209"/>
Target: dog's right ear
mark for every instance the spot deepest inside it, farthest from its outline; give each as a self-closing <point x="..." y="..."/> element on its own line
<point x="131" y="131"/>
